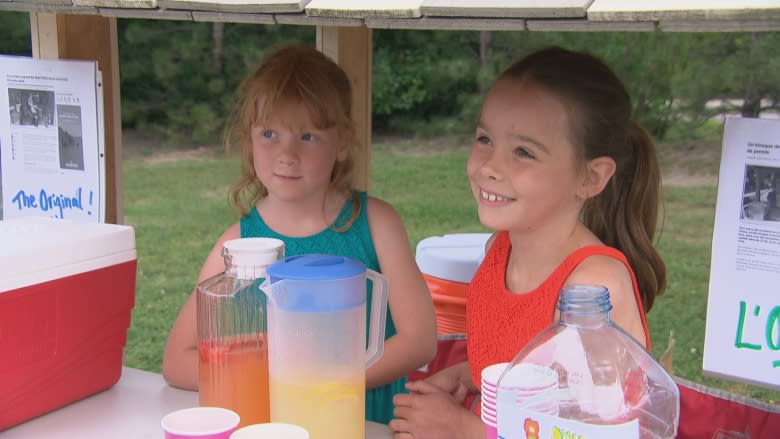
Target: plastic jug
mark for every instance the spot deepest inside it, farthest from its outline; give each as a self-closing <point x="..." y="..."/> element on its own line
<point x="317" y="342"/>
<point x="585" y="377"/>
<point x="232" y="346"/>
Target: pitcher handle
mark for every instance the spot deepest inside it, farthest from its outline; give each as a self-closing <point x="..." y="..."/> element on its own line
<point x="376" y="333"/>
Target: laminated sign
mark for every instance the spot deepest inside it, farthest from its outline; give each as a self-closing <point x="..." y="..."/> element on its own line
<point x="52" y="160"/>
<point x="742" y="339"/>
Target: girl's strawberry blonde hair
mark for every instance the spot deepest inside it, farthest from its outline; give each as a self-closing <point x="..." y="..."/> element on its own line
<point x="298" y="75"/>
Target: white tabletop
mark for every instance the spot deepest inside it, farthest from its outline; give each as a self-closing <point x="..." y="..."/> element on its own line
<point x="131" y="409"/>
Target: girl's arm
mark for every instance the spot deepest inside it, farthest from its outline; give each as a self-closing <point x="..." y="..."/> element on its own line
<point x="180" y="358"/>
<point x="409" y="300"/>
<point x="611" y="273"/>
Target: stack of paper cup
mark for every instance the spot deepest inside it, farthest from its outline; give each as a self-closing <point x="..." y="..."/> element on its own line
<point x="489" y="381"/>
<point x="534" y="387"/>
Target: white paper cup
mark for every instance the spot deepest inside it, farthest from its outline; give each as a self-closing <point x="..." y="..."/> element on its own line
<point x="490" y="374"/>
<point x="200" y="422"/>
<point x="272" y="430"/>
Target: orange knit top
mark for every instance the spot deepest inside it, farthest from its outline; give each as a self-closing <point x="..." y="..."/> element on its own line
<point x="500" y="323"/>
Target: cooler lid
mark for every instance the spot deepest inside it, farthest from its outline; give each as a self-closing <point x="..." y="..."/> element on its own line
<point x="454" y="257"/>
<point x="34" y="246"/>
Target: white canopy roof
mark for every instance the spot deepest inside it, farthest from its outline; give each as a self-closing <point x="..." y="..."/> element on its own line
<point x="534" y="15"/>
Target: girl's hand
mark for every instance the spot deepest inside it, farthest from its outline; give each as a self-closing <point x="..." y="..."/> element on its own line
<point x="445" y="380"/>
<point x="451" y="379"/>
<point x="430" y="412"/>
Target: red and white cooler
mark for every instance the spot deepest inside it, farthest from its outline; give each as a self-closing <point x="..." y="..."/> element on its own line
<point x="66" y="295"/>
<point x="448" y="263"/>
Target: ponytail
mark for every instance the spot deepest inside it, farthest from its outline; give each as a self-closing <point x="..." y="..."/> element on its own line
<point x="625" y="214"/>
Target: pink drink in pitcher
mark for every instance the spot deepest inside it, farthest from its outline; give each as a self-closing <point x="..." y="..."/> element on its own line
<point x="235" y="376"/>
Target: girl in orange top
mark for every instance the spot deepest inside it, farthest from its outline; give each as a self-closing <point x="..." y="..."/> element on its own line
<point x="571" y="183"/>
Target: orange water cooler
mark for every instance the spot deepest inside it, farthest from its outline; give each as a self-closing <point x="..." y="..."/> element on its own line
<point x="66" y="294"/>
<point x="448" y="263"/>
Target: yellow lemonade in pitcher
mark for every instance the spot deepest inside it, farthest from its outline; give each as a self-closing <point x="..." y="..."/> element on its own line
<point x="327" y="410"/>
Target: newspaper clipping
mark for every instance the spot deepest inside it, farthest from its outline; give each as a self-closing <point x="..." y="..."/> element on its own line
<point x="742" y="339"/>
<point x="51" y="147"/>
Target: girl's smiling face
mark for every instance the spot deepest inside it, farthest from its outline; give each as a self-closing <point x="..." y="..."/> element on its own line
<point x="523" y="167"/>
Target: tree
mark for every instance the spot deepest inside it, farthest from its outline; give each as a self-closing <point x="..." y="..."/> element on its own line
<point x="218" y="36"/>
<point x="15" y="33"/>
<point x="731" y="73"/>
<point x="178" y="78"/>
<point x="420" y="79"/>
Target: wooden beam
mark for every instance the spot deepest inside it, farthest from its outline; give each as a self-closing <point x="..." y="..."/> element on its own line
<point x="94" y="38"/>
<point x="351" y="48"/>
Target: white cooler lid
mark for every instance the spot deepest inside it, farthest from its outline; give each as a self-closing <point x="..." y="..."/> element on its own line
<point x="38" y="249"/>
<point x="454" y="257"/>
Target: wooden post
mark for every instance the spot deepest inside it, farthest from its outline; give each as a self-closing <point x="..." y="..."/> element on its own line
<point x="351" y="48"/>
<point x="94" y="38"/>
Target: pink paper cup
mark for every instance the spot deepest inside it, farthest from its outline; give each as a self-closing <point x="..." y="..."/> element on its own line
<point x="489" y="418"/>
<point x="488" y="410"/>
<point x="491" y="432"/>
<point x="200" y="423"/>
<point x="491" y="422"/>
<point x="489" y="395"/>
<point x="271" y="430"/>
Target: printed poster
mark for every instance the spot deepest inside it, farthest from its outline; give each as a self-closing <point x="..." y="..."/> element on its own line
<point x="742" y="339"/>
<point x="51" y="139"/>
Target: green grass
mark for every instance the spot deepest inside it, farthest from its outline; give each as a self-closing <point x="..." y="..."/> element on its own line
<point x="179" y="208"/>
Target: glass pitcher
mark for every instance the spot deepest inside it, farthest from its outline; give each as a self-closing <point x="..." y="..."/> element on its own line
<point x="232" y="347"/>
<point x="317" y="342"/>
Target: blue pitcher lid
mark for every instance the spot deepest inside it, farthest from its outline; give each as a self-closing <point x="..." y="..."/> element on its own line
<point x="320" y="283"/>
<point x="315" y="267"/>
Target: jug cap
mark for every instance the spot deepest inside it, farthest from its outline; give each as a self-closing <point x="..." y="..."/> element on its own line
<point x="316" y="283"/>
<point x="315" y="267"/>
<point x="250" y="256"/>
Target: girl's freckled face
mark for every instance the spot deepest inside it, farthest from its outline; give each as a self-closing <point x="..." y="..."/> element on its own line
<point x="292" y="157"/>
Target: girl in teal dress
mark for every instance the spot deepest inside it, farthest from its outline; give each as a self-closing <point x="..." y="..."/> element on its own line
<point x="297" y="141"/>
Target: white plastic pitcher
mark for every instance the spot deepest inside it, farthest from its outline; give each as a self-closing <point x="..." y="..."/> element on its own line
<point x="317" y="347"/>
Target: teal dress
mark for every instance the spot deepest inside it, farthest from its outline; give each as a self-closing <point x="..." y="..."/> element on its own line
<point x="355" y="243"/>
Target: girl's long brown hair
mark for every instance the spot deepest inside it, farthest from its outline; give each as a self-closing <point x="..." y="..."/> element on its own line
<point x="624" y="215"/>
